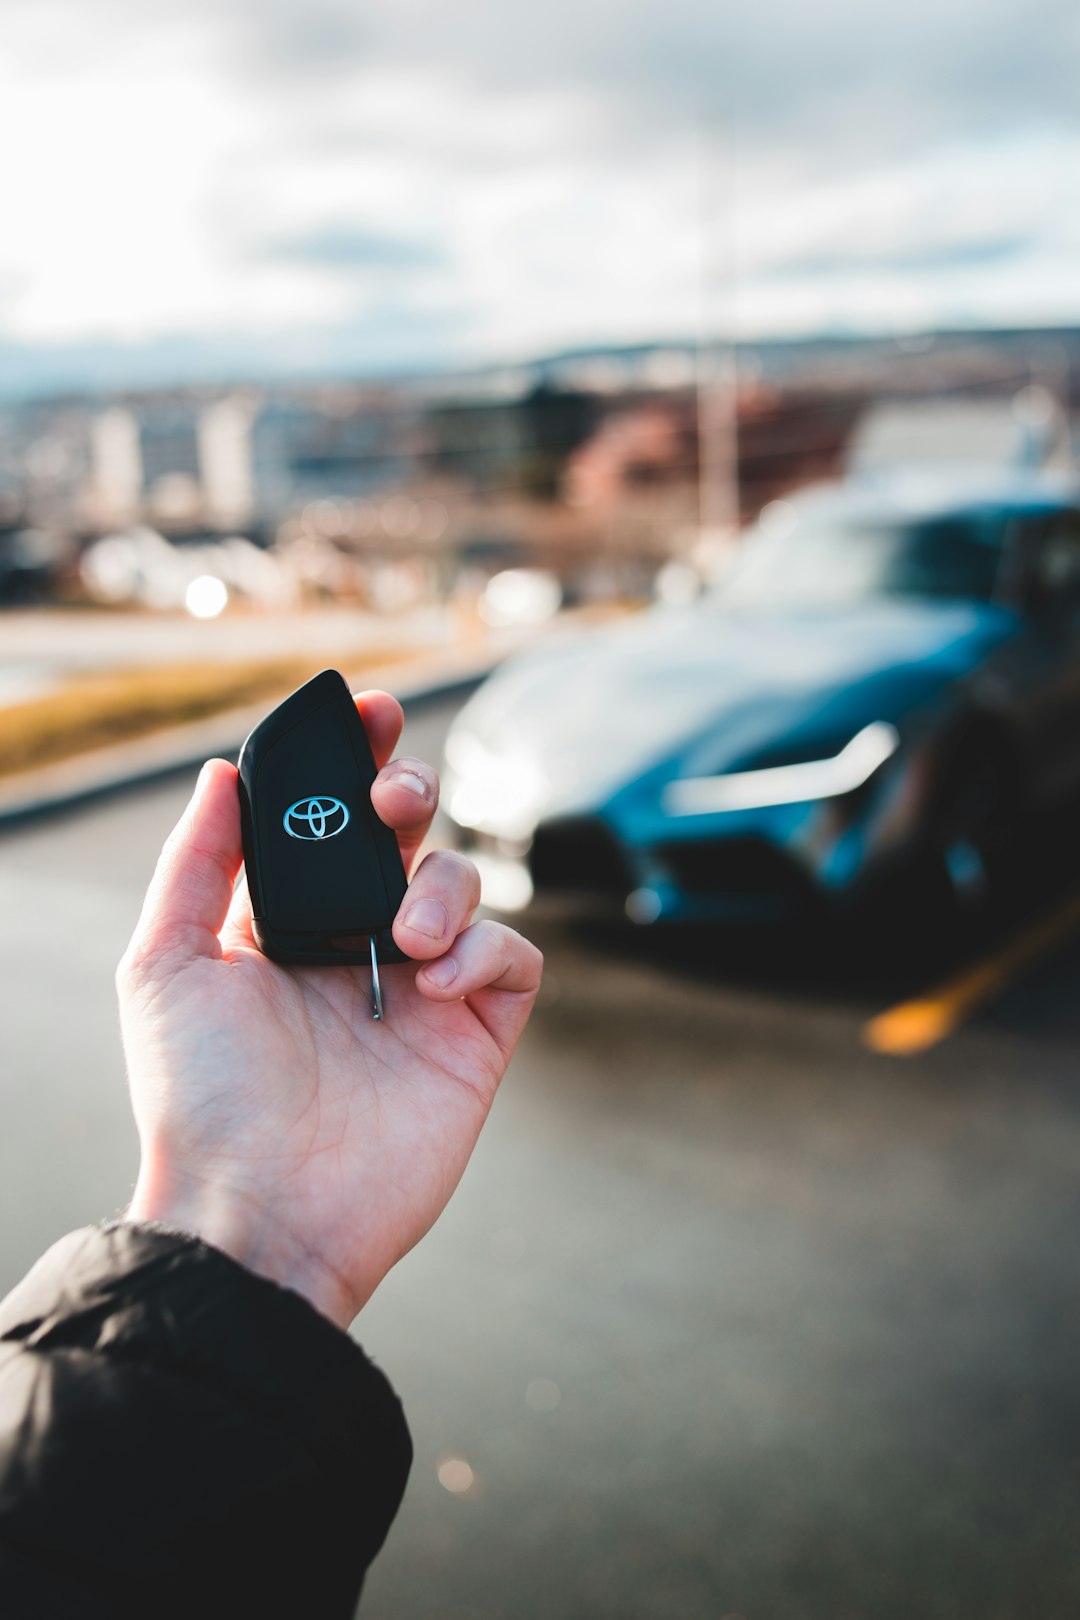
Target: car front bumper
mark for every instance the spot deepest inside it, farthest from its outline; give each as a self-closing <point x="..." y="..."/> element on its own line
<point x="763" y="864"/>
<point x="580" y="865"/>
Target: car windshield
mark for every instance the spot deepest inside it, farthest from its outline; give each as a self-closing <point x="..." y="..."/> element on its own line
<point x="819" y="564"/>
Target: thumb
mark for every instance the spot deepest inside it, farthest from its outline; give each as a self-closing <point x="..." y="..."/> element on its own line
<point x="189" y="894"/>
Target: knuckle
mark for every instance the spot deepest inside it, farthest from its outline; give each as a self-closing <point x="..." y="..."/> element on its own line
<point x="493" y="936"/>
<point x="130" y="968"/>
<point x="526" y="955"/>
<point x="453" y="867"/>
<point x="526" y="948"/>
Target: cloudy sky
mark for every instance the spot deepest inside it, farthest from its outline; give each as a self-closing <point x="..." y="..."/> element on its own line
<point x="269" y="186"/>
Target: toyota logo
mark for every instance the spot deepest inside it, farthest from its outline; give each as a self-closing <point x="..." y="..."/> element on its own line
<point x="315" y="818"/>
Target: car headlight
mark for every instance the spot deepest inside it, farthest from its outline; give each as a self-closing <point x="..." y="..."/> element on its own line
<point x="786" y="784"/>
<point x="498" y="793"/>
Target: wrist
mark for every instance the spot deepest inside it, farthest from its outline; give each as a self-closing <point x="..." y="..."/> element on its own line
<point x="236" y="1223"/>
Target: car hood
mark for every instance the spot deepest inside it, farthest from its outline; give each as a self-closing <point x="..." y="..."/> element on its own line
<point x="705" y="690"/>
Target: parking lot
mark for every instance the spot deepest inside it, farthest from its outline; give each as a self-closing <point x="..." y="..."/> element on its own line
<point x="732" y="1315"/>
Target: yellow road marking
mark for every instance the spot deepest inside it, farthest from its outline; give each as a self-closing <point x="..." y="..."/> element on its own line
<point x="912" y="1026"/>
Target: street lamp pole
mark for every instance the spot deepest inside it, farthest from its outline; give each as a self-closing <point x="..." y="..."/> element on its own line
<point x="717" y="353"/>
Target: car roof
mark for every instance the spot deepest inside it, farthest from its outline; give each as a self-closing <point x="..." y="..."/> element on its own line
<point x="914" y="496"/>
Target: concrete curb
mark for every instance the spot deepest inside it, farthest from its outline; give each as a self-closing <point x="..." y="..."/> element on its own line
<point x="74" y="783"/>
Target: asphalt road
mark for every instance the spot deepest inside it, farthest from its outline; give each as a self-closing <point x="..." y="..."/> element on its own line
<point x="730" y="1316"/>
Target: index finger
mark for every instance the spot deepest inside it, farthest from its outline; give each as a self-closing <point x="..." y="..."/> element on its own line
<point x="383" y="719"/>
<point x="409" y="813"/>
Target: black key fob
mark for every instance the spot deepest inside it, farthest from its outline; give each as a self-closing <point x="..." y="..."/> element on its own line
<point x="324" y="873"/>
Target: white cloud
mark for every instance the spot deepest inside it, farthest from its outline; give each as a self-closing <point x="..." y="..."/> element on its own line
<point x="485" y="182"/>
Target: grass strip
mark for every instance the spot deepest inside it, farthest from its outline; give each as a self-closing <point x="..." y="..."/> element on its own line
<point x="118" y="705"/>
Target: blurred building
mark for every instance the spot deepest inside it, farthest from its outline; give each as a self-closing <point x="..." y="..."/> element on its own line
<point x="338" y="442"/>
<point x="226" y="467"/>
<point x="117" y="463"/>
<point x="1027" y="429"/>
<point x="588" y="463"/>
<point x="517" y="443"/>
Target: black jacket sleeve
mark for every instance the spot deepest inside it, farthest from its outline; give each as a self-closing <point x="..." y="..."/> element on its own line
<point x="181" y="1437"/>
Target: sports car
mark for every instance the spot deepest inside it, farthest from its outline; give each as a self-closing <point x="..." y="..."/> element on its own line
<point x="882" y="687"/>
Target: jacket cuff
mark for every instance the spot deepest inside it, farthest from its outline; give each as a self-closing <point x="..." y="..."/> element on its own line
<point x="147" y="1293"/>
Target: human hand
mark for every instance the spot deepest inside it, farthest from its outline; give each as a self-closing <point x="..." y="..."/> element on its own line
<point x="277" y="1120"/>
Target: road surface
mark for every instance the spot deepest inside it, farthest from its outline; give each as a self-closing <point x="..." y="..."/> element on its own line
<point x="731" y="1316"/>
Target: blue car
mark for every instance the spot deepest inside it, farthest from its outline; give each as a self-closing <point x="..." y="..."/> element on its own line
<point x="883" y="687"/>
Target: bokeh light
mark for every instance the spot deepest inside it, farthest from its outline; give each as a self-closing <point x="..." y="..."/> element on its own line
<point x="206" y="597"/>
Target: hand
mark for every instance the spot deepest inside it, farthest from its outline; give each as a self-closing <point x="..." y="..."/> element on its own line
<point x="276" y="1119"/>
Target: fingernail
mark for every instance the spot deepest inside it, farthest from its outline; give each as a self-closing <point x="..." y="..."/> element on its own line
<point x="414" y="783"/>
<point x="428" y="917"/>
<point x="442" y="972"/>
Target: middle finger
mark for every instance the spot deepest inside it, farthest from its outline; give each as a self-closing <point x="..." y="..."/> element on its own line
<point x="439" y="903"/>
